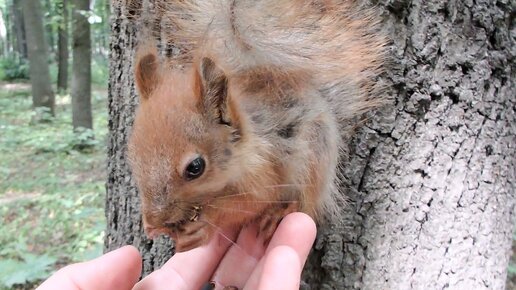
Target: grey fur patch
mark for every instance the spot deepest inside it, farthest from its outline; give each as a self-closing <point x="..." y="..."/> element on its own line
<point x="290" y="102"/>
<point x="287" y="131"/>
<point x="257" y="118"/>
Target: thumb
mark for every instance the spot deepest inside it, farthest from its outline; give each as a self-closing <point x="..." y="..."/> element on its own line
<point x="119" y="269"/>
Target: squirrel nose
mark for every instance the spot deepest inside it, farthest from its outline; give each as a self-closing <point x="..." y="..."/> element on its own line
<point x="174" y="225"/>
<point x="153" y="232"/>
<point x="171" y="225"/>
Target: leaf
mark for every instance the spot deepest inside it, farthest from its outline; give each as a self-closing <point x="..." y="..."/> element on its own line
<point x="33" y="268"/>
<point x="38" y="262"/>
<point x="10" y="273"/>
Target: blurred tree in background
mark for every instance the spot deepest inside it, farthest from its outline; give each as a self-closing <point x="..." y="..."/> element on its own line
<point x="62" y="46"/>
<point x="56" y="23"/>
<point x="42" y="94"/>
<point x="18" y="38"/>
<point x="51" y="185"/>
<point x="81" y="68"/>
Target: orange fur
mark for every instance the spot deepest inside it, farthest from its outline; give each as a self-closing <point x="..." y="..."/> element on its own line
<point x="261" y="93"/>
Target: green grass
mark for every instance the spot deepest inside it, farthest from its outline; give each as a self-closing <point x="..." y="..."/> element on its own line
<point x="51" y="195"/>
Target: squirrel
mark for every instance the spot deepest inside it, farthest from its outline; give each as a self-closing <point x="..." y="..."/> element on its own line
<point x="245" y="125"/>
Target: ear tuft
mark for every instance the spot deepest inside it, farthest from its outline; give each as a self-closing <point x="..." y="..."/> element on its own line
<point x="214" y="90"/>
<point x="146" y="71"/>
<point x="214" y="80"/>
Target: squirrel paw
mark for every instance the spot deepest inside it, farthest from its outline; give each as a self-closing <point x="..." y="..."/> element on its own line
<point x="270" y="219"/>
<point x="191" y="236"/>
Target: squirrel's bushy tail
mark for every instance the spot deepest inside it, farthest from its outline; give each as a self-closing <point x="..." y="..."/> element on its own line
<point x="336" y="39"/>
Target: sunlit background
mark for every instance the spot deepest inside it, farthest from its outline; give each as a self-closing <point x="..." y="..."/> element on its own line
<point x="51" y="178"/>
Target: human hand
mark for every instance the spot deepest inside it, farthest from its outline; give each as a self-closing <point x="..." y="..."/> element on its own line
<point x="119" y="269"/>
<point x="246" y="264"/>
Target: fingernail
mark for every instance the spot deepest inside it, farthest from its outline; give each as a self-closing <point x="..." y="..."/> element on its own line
<point x="208" y="286"/>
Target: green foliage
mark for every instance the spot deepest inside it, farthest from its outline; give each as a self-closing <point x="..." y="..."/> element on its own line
<point x="99" y="71"/>
<point x="51" y="194"/>
<point x="53" y="70"/>
<point x="12" y="67"/>
<point x="42" y="114"/>
<point x="29" y="269"/>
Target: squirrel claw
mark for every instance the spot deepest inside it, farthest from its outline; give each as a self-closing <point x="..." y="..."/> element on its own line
<point x="271" y="218"/>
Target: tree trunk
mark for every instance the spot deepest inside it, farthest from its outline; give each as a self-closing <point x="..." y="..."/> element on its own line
<point x="19" y="28"/>
<point x="62" y="53"/>
<point x="8" y="26"/>
<point x="3" y="34"/>
<point x="49" y="28"/>
<point x="104" y="35"/>
<point x="430" y="177"/>
<point x="122" y="200"/>
<point x="42" y="94"/>
<point x="81" y="68"/>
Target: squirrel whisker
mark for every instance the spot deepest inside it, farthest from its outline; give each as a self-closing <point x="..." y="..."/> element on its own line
<point x="266" y="186"/>
<point x="232" y="195"/>
<point x="221" y="233"/>
<point x="233" y="209"/>
<point x="265" y="201"/>
<point x="287" y="185"/>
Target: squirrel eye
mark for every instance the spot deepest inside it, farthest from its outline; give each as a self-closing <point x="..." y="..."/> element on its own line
<point x="195" y="169"/>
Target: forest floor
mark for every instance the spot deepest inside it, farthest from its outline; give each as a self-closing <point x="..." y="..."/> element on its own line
<point x="51" y="193"/>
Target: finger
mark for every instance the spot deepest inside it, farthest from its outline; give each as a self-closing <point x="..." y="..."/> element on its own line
<point x="281" y="270"/>
<point x="119" y="269"/>
<point x="240" y="260"/>
<point x="188" y="270"/>
<point x="297" y="231"/>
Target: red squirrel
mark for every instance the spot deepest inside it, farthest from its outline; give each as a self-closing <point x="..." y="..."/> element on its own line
<point x="246" y="125"/>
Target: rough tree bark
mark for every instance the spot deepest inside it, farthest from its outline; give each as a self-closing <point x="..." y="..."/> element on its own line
<point x="62" y="47"/>
<point x="42" y="94"/>
<point x="430" y="177"/>
<point x="81" y="66"/>
<point x="18" y="28"/>
<point x="122" y="201"/>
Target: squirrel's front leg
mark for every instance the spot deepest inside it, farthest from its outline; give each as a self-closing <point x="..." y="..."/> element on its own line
<point x="319" y="197"/>
<point x="272" y="216"/>
<point x="311" y="182"/>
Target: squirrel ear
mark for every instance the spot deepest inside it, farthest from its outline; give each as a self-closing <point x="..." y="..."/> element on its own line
<point x="146" y="71"/>
<point x="214" y="91"/>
